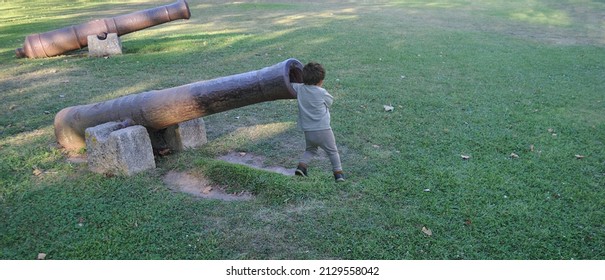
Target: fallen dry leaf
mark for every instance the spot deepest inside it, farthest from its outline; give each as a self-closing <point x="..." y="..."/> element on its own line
<point x="164" y="152"/>
<point x="207" y="190"/>
<point x="41" y="256"/>
<point x="427" y="231"/>
<point x="465" y="157"/>
<point x="37" y="171"/>
<point x="468" y="222"/>
<point x="580" y="156"/>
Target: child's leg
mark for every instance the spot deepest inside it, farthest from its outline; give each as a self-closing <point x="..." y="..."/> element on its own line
<point x="311" y="147"/>
<point x="328" y="144"/>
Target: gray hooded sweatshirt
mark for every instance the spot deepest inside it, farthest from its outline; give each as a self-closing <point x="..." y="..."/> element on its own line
<point x="313" y="107"/>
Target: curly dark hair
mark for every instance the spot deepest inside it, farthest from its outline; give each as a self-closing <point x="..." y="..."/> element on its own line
<point x="313" y="73"/>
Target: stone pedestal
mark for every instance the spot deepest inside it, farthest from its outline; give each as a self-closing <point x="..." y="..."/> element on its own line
<point x="186" y="135"/>
<point x="100" y="47"/>
<point x="113" y="148"/>
<point x="118" y="150"/>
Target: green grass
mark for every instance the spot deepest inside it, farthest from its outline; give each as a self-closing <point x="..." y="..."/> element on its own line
<point x="479" y="78"/>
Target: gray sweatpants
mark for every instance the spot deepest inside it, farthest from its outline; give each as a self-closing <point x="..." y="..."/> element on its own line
<point x="325" y="140"/>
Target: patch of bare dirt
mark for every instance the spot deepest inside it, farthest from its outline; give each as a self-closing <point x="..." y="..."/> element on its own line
<point x="76" y="158"/>
<point x="199" y="186"/>
<point x="255" y="161"/>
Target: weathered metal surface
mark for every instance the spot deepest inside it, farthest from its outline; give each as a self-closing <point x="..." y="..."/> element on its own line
<point x="159" y="109"/>
<point x="71" y="38"/>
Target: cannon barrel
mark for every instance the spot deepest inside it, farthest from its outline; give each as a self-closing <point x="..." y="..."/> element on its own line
<point x="71" y="38"/>
<point x="160" y="109"/>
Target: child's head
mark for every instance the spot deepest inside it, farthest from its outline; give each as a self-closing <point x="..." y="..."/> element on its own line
<point x="313" y="73"/>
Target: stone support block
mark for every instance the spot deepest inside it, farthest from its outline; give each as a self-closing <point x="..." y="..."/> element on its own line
<point x="186" y="135"/>
<point x="115" y="149"/>
<point x="99" y="47"/>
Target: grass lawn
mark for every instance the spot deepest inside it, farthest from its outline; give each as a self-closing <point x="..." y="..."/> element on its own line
<point x="518" y="87"/>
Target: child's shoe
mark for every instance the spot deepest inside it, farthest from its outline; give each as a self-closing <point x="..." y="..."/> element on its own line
<point x="339" y="176"/>
<point x="301" y="170"/>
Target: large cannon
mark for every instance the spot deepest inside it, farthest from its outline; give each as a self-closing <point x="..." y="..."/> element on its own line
<point x="160" y="109"/>
<point x="71" y="38"/>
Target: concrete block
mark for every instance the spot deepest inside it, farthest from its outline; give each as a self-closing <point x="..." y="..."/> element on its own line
<point x="186" y="135"/>
<point x="115" y="149"/>
<point x="99" y="47"/>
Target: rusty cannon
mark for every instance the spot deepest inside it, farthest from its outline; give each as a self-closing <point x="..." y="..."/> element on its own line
<point x="71" y="38"/>
<point x="159" y="109"/>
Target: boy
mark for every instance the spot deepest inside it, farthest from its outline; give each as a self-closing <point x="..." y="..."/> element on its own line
<point x="314" y="119"/>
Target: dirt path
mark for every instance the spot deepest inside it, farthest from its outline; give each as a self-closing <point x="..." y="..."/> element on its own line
<point x="200" y="186"/>
<point x="255" y="161"/>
